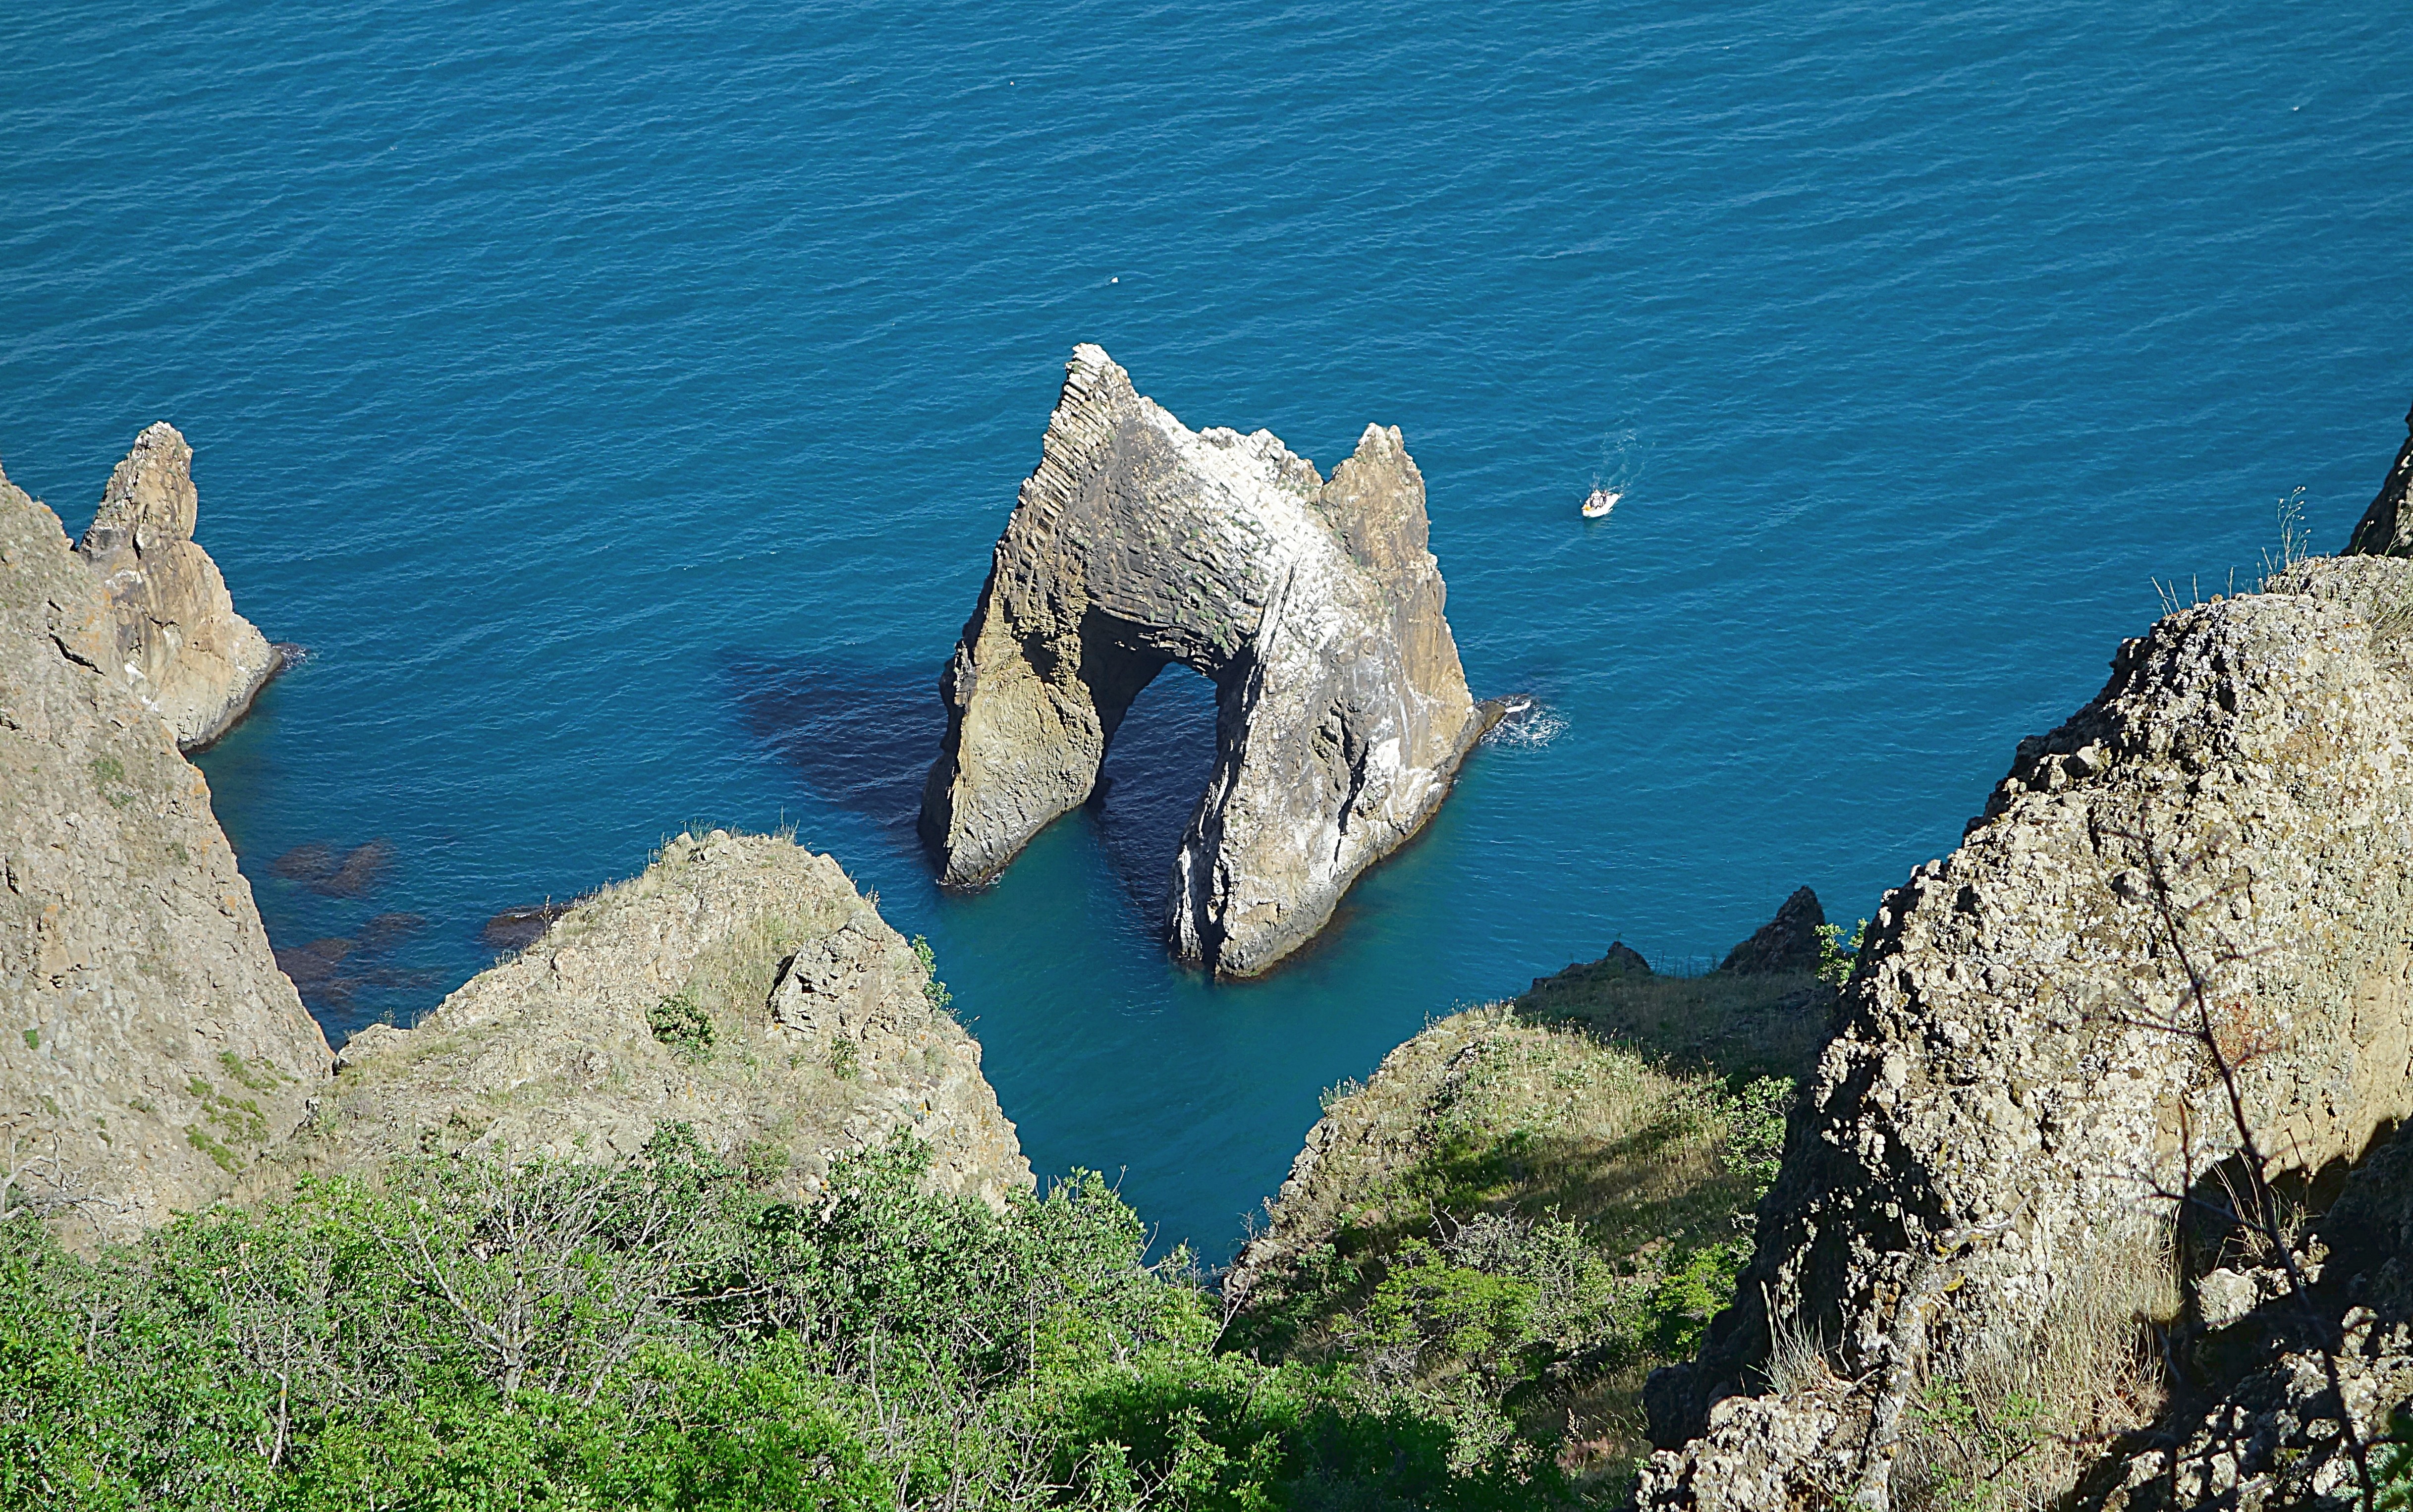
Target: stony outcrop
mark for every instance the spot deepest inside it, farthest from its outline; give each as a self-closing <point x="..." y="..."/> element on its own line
<point x="175" y="636"/>
<point x="2386" y="529"/>
<point x="1313" y="606"/>
<point x="2210" y="855"/>
<point x="740" y="984"/>
<point x="1794" y="940"/>
<point x="150" y="1046"/>
<point x="2274" y="1436"/>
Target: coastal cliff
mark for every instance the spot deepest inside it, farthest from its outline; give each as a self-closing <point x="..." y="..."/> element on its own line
<point x="739" y="987"/>
<point x="1312" y="605"/>
<point x="2181" y="924"/>
<point x="177" y="640"/>
<point x="151" y="1048"/>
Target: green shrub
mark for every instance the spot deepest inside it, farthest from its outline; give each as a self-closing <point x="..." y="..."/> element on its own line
<point x="678" y="1022"/>
<point x="934" y="989"/>
<point x="663" y="1334"/>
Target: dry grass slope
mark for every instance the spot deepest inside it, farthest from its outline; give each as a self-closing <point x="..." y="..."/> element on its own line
<point x="1532" y="1204"/>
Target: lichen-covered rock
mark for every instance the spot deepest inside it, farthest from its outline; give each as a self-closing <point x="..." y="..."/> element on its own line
<point x="150" y="1045"/>
<point x="2275" y="1436"/>
<point x="1312" y="605"/>
<point x="740" y="986"/>
<point x="177" y="640"/>
<point x="2022" y="1082"/>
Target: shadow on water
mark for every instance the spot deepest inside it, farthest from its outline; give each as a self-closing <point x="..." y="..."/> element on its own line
<point x="1153" y="775"/>
<point x="862" y="737"/>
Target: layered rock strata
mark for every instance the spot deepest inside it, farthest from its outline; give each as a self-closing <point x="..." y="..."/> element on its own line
<point x="175" y="636"/>
<point x="740" y="986"/>
<point x="1313" y="606"/>
<point x="150" y="1046"/>
<point x="2210" y="856"/>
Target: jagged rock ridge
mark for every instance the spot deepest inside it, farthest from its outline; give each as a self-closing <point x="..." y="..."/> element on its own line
<point x="179" y="643"/>
<point x="2008" y="1106"/>
<point x="151" y="1047"/>
<point x="740" y="986"/>
<point x="1312" y="605"/>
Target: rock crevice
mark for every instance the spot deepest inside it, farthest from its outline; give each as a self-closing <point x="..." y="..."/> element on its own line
<point x="1314" y="605"/>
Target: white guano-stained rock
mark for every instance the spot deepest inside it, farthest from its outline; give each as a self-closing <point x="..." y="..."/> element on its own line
<point x="1312" y="605"/>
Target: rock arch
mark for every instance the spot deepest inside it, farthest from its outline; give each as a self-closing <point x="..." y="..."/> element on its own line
<point x="1312" y="605"/>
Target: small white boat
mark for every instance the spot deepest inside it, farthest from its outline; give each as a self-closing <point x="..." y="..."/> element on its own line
<point x="1601" y="502"/>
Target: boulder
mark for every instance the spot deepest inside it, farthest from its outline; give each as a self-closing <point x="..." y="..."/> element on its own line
<point x="151" y="1048"/>
<point x="175" y="635"/>
<point x="1312" y="605"/>
<point x="2205" y="866"/>
<point x="740" y="984"/>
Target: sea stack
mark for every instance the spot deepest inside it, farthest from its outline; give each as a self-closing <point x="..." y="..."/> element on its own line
<point x="179" y="643"/>
<point x="1312" y="605"/>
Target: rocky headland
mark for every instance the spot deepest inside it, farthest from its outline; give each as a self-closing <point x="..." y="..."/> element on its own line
<point x="1312" y="605"/>
<point x="739" y="985"/>
<point x="2162" y="986"/>
<point x="1529" y="1205"/>
<point x="175" y="636"/>
<point x="151" y="1048"/>
<point x="157" y="1058"/>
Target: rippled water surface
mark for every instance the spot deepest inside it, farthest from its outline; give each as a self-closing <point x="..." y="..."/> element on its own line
<point x="620" y="401"/>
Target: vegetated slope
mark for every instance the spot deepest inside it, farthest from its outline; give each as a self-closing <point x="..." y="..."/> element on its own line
<point x="666" y="1333"/>
<point x="149" y="1046"/>
<point x="1530" y="1206"/>
<point x="739" y="987"/>
<point x="2182" y="923"/>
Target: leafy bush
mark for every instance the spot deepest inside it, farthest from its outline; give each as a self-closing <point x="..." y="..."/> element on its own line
<point x="680" y="1023"/>
<point x="1838" y="952"/>
<point x="660" y="1334"/>
<point x="933" y="989"/>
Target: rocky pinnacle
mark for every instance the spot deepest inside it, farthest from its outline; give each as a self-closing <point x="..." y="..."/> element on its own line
<point x="180" y="645"/>
<point x="1312" y="605"/>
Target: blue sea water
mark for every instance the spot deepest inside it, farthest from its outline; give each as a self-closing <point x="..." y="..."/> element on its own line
<point x="620" y="402"/>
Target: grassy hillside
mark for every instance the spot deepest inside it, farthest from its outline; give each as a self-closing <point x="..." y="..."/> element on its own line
<point x="1532" y="1204"/>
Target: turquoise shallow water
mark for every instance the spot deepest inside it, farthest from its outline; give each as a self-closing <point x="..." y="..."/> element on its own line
<point x="620" y="403"/>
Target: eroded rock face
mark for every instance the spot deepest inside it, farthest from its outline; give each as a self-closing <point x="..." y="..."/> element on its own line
<point x="175" y="636"/>
<point x="739" y="984"/>
<point x="2012" y="1101"/>
<point x="1312" y="605"/>
<point x="150" y="1047"/>
<point x="2272" y="1438"/>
